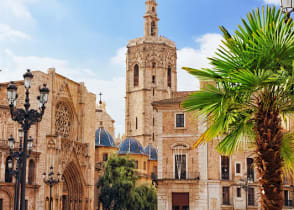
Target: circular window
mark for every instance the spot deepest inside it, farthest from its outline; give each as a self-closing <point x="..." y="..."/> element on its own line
<point x="63" y="119"/>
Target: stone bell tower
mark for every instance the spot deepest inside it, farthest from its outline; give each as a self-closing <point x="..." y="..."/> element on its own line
<point x="150" y="76"/>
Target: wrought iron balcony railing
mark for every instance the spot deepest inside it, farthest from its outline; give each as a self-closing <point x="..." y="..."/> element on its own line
<point x="186" y="176"/>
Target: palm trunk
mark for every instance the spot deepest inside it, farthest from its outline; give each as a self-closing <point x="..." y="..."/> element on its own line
<point x="268" y="153"/>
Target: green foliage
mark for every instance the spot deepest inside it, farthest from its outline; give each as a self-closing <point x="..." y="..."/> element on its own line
<point x="118" y="189"/>
<point x="257" y="58"/>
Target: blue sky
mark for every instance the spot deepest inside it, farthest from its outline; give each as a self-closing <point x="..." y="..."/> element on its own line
<point x="85" y="40"/>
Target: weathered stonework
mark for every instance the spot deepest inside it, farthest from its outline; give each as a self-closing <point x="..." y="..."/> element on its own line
<point x="63" y="139"/>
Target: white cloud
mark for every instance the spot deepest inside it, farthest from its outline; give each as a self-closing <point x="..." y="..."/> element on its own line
<point x="16" y="8"/>
<point x="8" y="33"/>
<point x="120" y="57"/>
<point x="196" y="58"/>
<point x="276" y="2"/>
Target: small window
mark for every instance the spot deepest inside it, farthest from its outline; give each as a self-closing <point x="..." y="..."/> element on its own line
<point x="153" y="92"/>
<point x="101" y="123"/>
<point x="8" y="175"/>
<point x="238" y="192"/>
<point x="250" y="169"/>
<point x="153" y="137"/>
<point x="250" y="196"/>
<point x="180" y="120"/>
<point x="152" y="28"/>
<point x="26" y="205"/>
<point x="31" y="175"/>
<point x="153" y="9"/>
<point x="144" y="165"/>
<point x="153" y="79"/>
<point x="105" y="156"/>
<point x="136" y="75"/>
<point x="136" y="123"/>
<point x="153" y="65"/>
<point x="1" y="204"/>
<point x="225" y="167"/>
<point x="287" y="202"/>
<point x="153" y="123"/>
<point x="226" y="196"/>
<point x="136" y="164"/>
<point x="169" y="77"/>
<point x="238" y="168"/>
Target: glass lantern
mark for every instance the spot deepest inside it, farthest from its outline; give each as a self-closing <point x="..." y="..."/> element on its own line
<point x="28" y="76"/>
<point x="11" y="142"/>
<point x="12" y="93"/>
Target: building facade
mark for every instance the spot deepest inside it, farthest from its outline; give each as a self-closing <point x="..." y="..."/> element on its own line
<point x="63" y="139"/>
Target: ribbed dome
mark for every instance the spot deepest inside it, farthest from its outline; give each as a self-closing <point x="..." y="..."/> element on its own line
<point x="103" y="138"/>
<point x="131" y="145"/>
<point x="151" y="152"/>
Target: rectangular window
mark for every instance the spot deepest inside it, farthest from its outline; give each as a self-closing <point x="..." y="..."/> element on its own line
<point x="250" y="169"/>
<point x="26" y="205"/>
<point x="287" y="201"/>
<point x="238" y="168"/>
<point x="180" y="166"/>
<point x="153" y="79"/>
<point x="225" y="167"/>
<point x="180" y="120"/>
<point x="136" y="123"/>
<point x="1" y="204"/>
<point x="238" y="192"/>
<point x="136" y="164"/>
<point x="250" y="196"/>
<point x="226" y="195"/>
<point x="144" y="165"/>
<point x="105" y="157"/>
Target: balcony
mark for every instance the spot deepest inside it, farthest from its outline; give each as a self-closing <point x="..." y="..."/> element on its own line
<point x="188" y="176"/>
<point x="288" y="203"/>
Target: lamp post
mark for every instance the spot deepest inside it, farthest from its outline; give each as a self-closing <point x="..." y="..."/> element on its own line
<point x="15" y="153"/>
<point x="287" y="7"/>
<point x="245" y="185"/>
<point x="51" y="182"/>
<point x="26" y="118"/>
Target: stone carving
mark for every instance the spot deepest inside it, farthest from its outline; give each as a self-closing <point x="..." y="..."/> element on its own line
<point x="63" y="120"/>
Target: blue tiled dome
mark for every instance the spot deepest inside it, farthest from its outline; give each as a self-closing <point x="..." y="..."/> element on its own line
<point x="151" y="152"/>
<point x="103" y="138"/>
<point x="132" y="146"/>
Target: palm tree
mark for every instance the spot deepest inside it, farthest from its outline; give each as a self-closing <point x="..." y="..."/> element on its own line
<point x="250" y="91"/>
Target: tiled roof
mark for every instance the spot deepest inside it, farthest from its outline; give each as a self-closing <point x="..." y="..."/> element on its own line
<point x="176" y="98"/>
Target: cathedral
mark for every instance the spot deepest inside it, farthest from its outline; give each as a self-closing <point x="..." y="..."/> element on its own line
<point x="76" y="136"/>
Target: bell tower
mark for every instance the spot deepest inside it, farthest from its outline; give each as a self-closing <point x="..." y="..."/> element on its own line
<point x="150" y="76"/>
<point x="151" y="20"/>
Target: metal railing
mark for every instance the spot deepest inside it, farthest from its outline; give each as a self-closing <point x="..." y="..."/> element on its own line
<point x="186" y="176"/>
<point x="287" y="202"/>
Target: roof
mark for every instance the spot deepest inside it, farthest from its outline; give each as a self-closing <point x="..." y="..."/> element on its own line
<point x="131" y="146"/>
<point x="176" y="98"/>
<point x="103" y="138"/>
<point x="151" y="152"/>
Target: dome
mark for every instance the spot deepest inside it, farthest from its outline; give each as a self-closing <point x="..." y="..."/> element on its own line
<point x="151" y="152"/>
<point x="131" y="146"/>
<point x="103" y="138"/>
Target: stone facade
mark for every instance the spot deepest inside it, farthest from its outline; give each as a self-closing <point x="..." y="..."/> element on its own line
<point x="63" y="139"/>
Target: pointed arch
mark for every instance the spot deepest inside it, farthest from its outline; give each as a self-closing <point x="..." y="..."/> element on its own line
<point x="72" y="187"/>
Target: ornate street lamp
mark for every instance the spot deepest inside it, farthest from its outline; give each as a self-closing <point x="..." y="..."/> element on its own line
<point x="17" y="154"/>
<point x="26" y="118"/>
<point x="287" y="7"/>
<point x="51" y="181"/>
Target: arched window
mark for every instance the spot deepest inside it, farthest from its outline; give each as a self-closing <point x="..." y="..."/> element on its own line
<point x="169" y="77"/>
<point x="153" y="9"/>
<point x="152" y="28"/>
<point x="136" y="75"/>
<point x="8" y="176"/>
<point x="31" y="175"/>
